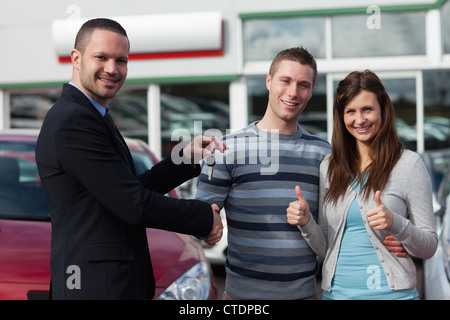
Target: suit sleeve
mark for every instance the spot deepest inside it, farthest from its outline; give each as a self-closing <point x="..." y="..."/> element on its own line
<point x="156" y="177"/>
<point x="85" y="151"/>
<point x="215" y="190"/>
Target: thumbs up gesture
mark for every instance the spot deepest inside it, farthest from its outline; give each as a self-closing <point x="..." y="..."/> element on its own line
<point x="298" y="212"/>
<point x="380" y="218"/>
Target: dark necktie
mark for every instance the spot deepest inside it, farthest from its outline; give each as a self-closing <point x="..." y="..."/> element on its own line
<point x="110" y="120"/>
<point x="119" y="137"/>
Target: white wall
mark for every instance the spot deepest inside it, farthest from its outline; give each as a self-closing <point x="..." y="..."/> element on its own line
<point x="26" y="45"/>
<point x="27" y="50"/>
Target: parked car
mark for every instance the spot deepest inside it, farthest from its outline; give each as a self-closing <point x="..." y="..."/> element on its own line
<point x="436" y="269"/>
<point x="437" y="163"/>
<point x="180" y="267"/>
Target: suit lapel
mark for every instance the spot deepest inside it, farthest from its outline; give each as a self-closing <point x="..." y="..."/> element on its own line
<point x="120" y="146"/>
<point x="114" y="136"/>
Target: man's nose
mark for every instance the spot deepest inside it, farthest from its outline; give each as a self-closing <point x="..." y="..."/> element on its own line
<point x="293" y="90"/>
<point x="111" y="67"/>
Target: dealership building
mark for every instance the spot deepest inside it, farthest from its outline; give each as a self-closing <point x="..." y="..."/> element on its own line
<point x="201" y="64"/>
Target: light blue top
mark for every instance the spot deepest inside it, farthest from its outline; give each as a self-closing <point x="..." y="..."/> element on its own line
<point x="359" y="274"/>
<point x="410" y="202"/>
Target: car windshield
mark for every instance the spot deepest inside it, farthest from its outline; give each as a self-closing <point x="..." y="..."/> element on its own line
<point x="22" y="195"/>
<point x="438" y="163"/>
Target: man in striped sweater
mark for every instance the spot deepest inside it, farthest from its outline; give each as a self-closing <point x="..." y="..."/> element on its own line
<point x="254" y="181"/>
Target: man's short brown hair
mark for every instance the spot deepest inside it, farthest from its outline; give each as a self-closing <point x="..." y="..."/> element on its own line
<point x="298" y="54"/>
<point x="86" y="30"/>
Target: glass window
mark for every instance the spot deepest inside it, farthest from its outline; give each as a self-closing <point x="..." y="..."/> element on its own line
<point x="400" y="33"/>
<point x="437" y="108"/>
<point x="445" y="20"/>
<point x="257" y="97"/>
<point x="28" y="108"/>
<point x="264" y="38"/>
<point x="129" y="110"/>
<point x="21" y="192"/>
<point x="403" y="96"/>
<point x="313" y="119"/>
<point x="192" y="109"/>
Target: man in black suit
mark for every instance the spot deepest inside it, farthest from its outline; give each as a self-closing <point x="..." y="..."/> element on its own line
<point x="99" y="207"/>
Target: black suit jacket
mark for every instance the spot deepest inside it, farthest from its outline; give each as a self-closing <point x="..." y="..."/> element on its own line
<point x="100" y="209"/>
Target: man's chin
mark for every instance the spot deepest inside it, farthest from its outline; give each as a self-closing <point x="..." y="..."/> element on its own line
<point x="107" y="95"/>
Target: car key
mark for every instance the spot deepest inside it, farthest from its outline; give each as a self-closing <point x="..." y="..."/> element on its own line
<point x="210" y="161"/>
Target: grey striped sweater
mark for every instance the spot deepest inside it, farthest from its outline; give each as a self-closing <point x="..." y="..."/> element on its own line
<point x="254" y="181"/>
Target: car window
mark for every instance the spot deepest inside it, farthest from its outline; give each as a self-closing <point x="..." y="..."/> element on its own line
<point x="439" y="165"/>
<point x="444" y="190"/>
<point x="443" y="222"/>
<point x="21" y="192"/>
<point x="22" y="195"/>
<point x="142" y="161"/>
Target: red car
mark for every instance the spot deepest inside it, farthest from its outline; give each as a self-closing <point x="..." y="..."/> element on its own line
<point x="179" y="264"/>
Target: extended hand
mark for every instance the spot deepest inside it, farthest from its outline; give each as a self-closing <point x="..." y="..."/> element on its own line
<point x="298" y="211"/>
<point x="201" y="147"/>
<point x="380" y="218"/>
<point x="217" y="229"/>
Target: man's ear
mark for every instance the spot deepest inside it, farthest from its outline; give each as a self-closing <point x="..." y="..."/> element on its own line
<point x="75" y="56"/>
<point x="268" y="80"/>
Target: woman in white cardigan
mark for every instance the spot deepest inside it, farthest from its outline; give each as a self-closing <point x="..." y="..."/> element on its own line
<point x="370" y="188"/>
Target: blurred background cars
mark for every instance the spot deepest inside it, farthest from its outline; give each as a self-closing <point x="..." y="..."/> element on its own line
<point x="180" y="267"/>
<point x="436" y="269"/>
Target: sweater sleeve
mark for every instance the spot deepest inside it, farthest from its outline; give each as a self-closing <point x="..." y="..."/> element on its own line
<point x="215" y="190"/>
<point x="315" y="233"/>
<point x="417" y="231"/>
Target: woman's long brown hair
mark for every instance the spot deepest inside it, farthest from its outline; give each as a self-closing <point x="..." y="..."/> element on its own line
<point x="385" y="148"/>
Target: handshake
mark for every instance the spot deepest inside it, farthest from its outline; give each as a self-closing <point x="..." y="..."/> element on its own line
<point x="199" y="148"/>
<point x="217" y="229"/>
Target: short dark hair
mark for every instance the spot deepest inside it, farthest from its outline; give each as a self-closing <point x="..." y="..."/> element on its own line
<point x="298" y="54"/>
<point x="86" y="30"/>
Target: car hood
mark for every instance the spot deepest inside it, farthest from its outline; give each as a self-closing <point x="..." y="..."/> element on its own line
<point x="25" y="251"/>
<point x="184" y="252"/>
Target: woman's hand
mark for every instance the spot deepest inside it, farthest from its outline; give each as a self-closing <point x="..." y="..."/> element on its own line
<point x="380" y="218"/>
